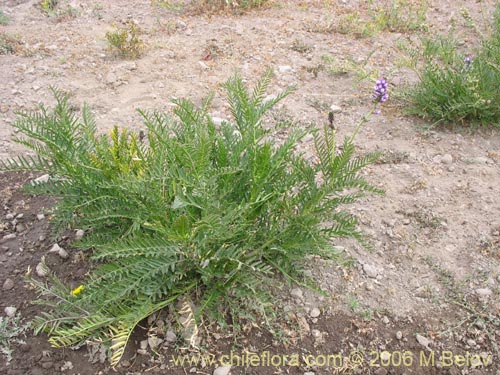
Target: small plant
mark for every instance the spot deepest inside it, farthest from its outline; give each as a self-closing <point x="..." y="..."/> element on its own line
<point x="209" y="218"/>
<point x="10" y="330"/>
<point x="218" y="5"/>
<point x="8" y="44"/>
<point x="4" y="19"/>
<point x="125" y="41"/>
<point x="456" y="87"/>
<point x="399" y="15"/>
<point x="48" y="6"/>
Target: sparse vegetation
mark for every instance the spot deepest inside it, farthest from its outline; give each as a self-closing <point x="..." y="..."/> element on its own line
<point x="457" y="87"/>
<point x="8" y="44"/>
<point x="125" y="41"/>
<point x="10" y="331"/>
<point x="4" y="19"/>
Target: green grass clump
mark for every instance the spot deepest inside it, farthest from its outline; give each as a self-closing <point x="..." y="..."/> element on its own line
<point x="210" y="217"/>
<point x="10" y="331"/>
<point x="125" y="41"/>
<point x="4" y="19"/>
<point x="454" y="87"/>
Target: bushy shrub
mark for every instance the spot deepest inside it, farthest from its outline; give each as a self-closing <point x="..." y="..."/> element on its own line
<point x="454" y="87"/>
<point x="190" y="211"/>
<point x="125" y="41"/>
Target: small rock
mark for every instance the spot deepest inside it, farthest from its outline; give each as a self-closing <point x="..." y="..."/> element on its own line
<point x="170" y="336"/>
<point x="335" y="108"/>
<point x="59" y="250"/>
<point x="447" y="159"/>
<point x="67" y="365"/>
<point x="144" y="344"/>
<point x="385" y="320"/>
<point x="10" y="311"/>
<point x="224" y="370"/>
<point x="285" y="69"/>
<point x="203" y="66"/>
<point x="8" y="284"/>
<point x="315" y="312"/>
<point x="423" y="341"/>
<point x="9" y="216"/>
<point x="399" y="335"/>
<point x="40" y="216"/>
<point x="370" y="271"/>
<point x="10" y="236"/>
<point x="483" y="292"/>
<point x="43" y="179"/>
<point x="79" y="234"/>
<point x="47" y="365"/>
<point x="20" y="227"/>
<point x="479" y="324"/>
<point x="309" y="373"/>
<point x="381" y="370"/>
<point x="369" y="287"/>
<point x="154" y="342"/>
<point x="41" y="269"/>
<point x="471" y="343"/>
<point x="297" y="293"/>
<point x="217" y="120"/>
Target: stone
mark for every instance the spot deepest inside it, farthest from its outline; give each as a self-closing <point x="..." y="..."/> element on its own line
<point x="285" y="69"/>
<point x="423" y="341"/>
<point x="170" y="336"/>
<point x="20" y="227"/>
<point x="144" y="344"/>
<point x="483" y="292"/>
<point x="223" y="370"/>
<point x="10" y="311"/>
<point x="59" y="250"/>
<point x="297" y="293"/>
<point x="315" y="312"/>
<point x="370" y="271"/>
<point x="335" y="108"/>
<point x="42" y="179"/>
<point x="10" y="236"/>
<point x="380" y="371"/>
<point x="154" y="342"/>
<point x="9" y="216"/>
<point x="41" y="269"/>
<point x="79" y="234"/>
<point x="399" y="335"/>
<point x="111" y="78"/>
<point x="8" y="284"/>
<point x="447" y="159"/>
<point x="40" y="216"/>
<point x="385" y="320"/>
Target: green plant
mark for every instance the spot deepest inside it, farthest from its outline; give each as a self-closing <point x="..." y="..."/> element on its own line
<point x="399" y="15"/>
<point x="125" y="41"/>
<point x="4" y="19"/>
<point x="48" y="6"/>
<point x="455" y="87"/>
<point x="8" y="44"/>
<point x="204" y="215"/>
<point x="10" y="329"/>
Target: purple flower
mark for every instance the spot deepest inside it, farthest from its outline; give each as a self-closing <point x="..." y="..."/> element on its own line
<point x="468" y="60"/>
<point x="380" y="93"/>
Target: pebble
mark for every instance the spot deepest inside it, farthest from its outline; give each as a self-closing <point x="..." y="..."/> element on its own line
<point x="223" y="370"/>
<point x="59" y="250"/>
<point x="309" y="373"/>
<point x="111" y="78"/>
<point x="20" y="227"/>
<point x="335" y="108"/>
<point x="484" y="292"/>
<point x="8" y="284"/>
<point x="41" y="270"/>
<point x="40" y="216"/>
<point x="423" y="341"/>
<point x="380" y="371"/>
<point x="170" y="336"/>
<point x="42" y="179"/>
<point x="154" y="342"/>
<point x="315" y="312"/>
<point x="370" y="271"/>
<point x="285" y="69"/>
<point x="10" y="236"/>
<point x="297" y="293"/>
<point x="10" y="311"/>
<point x="79" y="234"/>
<point x="447" y="159"/>
<point x="385" y="320"/>
<point x="144" y="344"/>
<point x="471" y="343"/>
<point x="399" y="335"/>
<point x="9" y="216"/>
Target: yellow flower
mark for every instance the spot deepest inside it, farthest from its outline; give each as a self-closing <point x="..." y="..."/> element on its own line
<point x="77" y="290"/>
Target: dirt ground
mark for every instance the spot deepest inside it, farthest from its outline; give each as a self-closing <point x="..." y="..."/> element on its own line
<point x="431" y="284"/>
